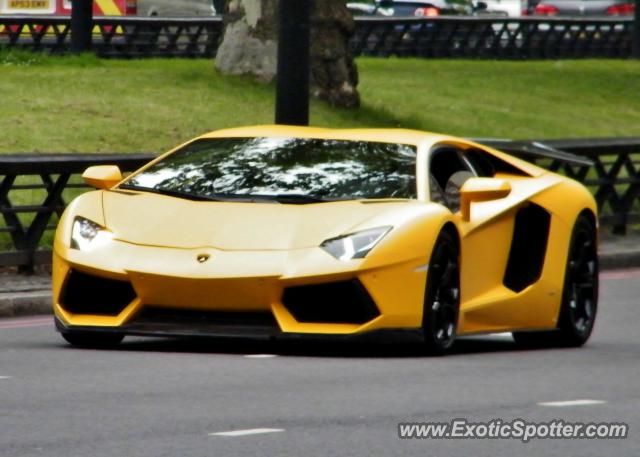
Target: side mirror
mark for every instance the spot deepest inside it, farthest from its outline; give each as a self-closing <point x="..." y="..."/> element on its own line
<point x="102" y="176"/>
<point x="481" y="190"/>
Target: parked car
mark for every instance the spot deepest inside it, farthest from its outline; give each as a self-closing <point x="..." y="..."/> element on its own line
<point x="500" y="8"/>
<point x="584" y="8"/>
<point x="176" y="8"/>
<point x="421" y="8"/>
<point x="361" y="9"/>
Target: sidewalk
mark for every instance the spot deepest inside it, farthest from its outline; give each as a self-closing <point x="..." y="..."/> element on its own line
<point x="22" y="295"/>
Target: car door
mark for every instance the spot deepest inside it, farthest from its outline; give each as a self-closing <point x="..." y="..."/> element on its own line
<point x="495" y="241"/>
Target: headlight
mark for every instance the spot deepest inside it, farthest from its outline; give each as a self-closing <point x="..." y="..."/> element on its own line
<point x="87" y="235"/>
<point x="355" y="245"/>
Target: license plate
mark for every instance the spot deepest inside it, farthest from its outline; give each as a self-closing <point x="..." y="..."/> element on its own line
<point x="28" y="4"/>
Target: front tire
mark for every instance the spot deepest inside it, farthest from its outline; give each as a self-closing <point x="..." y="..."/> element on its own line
<point x="442" y="296"/>
<point x="93" y="340"/>
<point x="580" y="293"/>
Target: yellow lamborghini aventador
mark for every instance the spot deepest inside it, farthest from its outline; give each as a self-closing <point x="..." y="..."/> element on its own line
<point x="274" y="231"/>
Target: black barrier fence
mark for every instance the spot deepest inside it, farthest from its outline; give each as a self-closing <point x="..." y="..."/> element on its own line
<point x="456" y="36"/>
<point x="117" y="36"/>
<point x="613" y="174"/>
<point x="35" y="188"/>
<point x="493" y="38"/>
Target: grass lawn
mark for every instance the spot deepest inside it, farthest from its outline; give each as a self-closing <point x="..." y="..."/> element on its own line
<point x="84" y="104"/>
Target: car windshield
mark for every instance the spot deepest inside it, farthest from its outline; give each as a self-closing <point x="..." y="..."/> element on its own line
<point x="302" y="169"/>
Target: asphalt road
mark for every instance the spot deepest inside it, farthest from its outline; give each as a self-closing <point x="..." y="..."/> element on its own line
<point x="169" y="398"/>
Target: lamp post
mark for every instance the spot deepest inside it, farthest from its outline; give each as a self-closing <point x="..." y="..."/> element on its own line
<point x="81" y="25"/>
<point x="292" y="79"/>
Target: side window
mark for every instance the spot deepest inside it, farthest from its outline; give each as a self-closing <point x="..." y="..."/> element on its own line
<point x="487" y="165"/>
<point x="480" y="163"/>
<point x="449" y="169"/>
<point x="436" y="192"/>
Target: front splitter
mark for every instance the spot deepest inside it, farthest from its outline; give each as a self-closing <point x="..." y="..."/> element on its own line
<point x="395" y="335"/>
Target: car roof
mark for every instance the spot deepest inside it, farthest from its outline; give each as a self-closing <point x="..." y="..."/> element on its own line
<point x="405" y="136"/>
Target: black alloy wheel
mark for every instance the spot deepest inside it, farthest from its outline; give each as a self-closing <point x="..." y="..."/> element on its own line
<point x="580" y="295"/>
<point x="442" y="297"/>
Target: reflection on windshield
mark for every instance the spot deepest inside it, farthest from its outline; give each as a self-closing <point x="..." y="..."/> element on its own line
<point x="322" y="169"/>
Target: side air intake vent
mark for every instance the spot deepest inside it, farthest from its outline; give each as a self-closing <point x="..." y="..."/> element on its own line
<point x="528" y="247"/>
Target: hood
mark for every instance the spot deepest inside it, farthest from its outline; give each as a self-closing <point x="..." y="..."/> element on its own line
<point x="156" y="220"/>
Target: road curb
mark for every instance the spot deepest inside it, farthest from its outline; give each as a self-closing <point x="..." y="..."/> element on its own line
<point x="26" y="303"/>
<point x="619" y="260"/>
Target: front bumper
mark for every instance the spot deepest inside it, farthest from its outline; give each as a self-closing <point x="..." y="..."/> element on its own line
<point x="163" y="291"/>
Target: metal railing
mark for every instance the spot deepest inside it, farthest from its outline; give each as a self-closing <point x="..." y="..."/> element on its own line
<point x="38" y="182"/>
<point x="611" y="171"/>
<point x="117" y="36"/>
<point x="454" y="36"/>
<point x="609" y="167"/>
<point x="614" y="177"/>
<point x="493" y="38"/>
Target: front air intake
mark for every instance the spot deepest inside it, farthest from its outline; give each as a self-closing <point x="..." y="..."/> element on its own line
<point x="88" y="294"/>
<point x="343" y="302"/>
<point x="193" y="322"/>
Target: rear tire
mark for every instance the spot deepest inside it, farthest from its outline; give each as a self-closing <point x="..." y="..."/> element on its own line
<point x="580" y="293"/>
<point x="93" y="340"/>
<point x="442" y="296"/>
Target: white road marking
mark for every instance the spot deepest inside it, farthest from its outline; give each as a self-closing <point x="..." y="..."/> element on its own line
<point x="5" y="377"/>
<point x="259" y="356"/>
<point x="251" y="431"/>
<point x="572" y="403"/>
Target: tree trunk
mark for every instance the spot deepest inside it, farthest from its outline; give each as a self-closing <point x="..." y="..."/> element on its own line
<point x="249" y="47"/>
<point x="334" y="75"/>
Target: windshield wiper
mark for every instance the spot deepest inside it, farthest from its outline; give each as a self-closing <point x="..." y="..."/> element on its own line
<point x="295" y="199"/>
<point x="298" y="199"/>
<point x="171" y="193"/>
